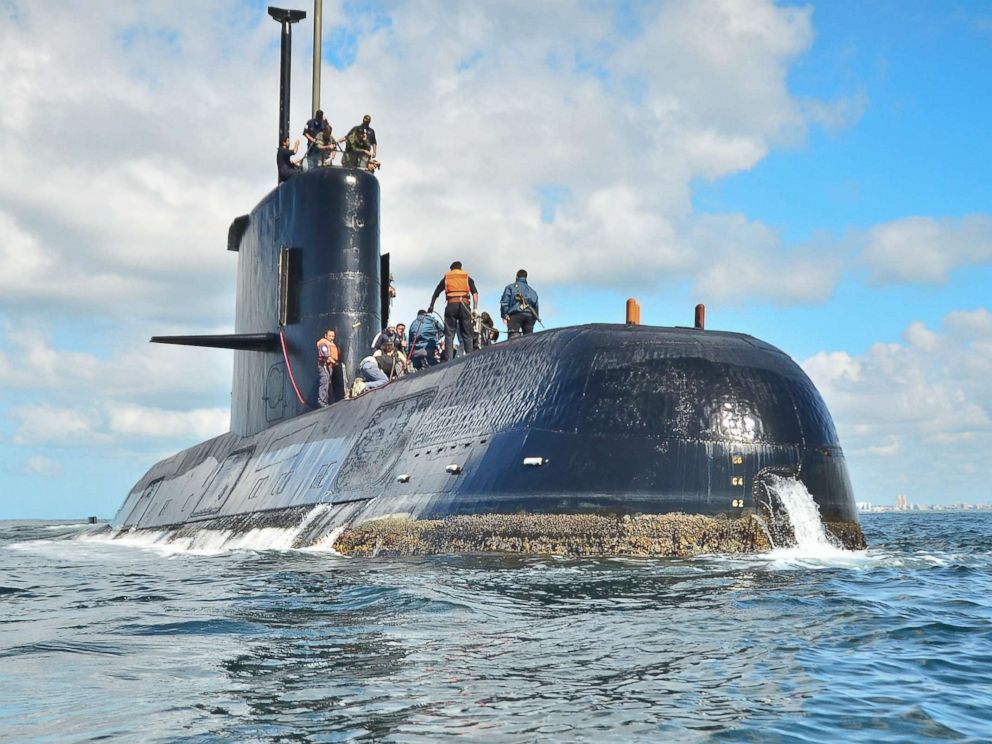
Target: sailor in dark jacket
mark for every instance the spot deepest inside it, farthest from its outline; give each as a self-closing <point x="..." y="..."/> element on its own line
<point x="518" y="307"/>
<point x="285" y="165"/>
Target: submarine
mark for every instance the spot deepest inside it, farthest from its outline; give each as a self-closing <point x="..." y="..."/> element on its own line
<point x="605" y="439"/>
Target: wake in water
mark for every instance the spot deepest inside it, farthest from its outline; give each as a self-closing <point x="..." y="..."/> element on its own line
<point x="215" y="542"/>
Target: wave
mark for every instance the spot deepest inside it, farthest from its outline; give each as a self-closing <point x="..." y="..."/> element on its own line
<point x="184" y="541"/>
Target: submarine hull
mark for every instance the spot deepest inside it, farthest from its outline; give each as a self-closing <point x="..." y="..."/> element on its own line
<point x="593" y="429"/>
<point x="598" y="419"/>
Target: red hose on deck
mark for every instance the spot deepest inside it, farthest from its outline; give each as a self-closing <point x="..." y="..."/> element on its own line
<point x="289" y="367"/>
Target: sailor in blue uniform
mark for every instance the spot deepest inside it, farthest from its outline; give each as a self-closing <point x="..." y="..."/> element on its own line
<point x="424" y="334"/>
<point x="518" y="307"/>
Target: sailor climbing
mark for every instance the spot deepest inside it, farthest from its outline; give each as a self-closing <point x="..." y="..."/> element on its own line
<point x="518" y="307"/>
<point x="422" y="343"/>
<point x="458" y="287"/>
<point x="371" y="374"/>
<point x="327" y="360"/>
<point x="483" y="330"/>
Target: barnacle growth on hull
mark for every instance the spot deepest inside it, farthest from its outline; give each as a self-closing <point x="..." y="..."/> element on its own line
<point x="573" y="535"/>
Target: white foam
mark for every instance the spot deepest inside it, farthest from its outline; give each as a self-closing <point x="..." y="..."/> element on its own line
<point x="210" y="542"/>
<point x="813" y="548"/>
<point x="326" y="543"/>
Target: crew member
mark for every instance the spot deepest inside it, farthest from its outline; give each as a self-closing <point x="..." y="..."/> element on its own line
<point x="357" y="151"/>
<point x="386" y="334"/>
<point x="314" y="128"/>
<point x="458" y="287"/>
<point x="390" y="361"/>
<point x="369" y="132"/>
<point x="326" y="148"/>
<point x="285" y="165"/>
<point x="371" y="374"/>
<point x="483" y="330"/>
<point x="423" y="338"/>
<point x="518" y="307"/>
<point x="327" y="360"/>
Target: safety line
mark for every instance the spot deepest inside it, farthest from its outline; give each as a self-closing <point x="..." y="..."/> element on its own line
<point x="285" y="356"/>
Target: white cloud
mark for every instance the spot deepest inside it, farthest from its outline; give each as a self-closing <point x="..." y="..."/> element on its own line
<point x="41" y="465"/>
<point x="888" y="448"/>
<point x="838" y="114"/>
<point x="914" y="415"/>
<point x="95" y="426"/>
<point x="47" y="424"/>
<point x="977" y="322"/>
<point x="35" y="359"/>
<point x="833" y="368"/>
<point x="918" y="335"/>
<point x="926" y="250"/>
<point x="737" y="259"/>
<point x="168" y="136"/>
<point x="131" y="420"/>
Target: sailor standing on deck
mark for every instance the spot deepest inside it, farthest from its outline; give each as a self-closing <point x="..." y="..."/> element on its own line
<point x="458" y="287"/>
<point x="327" y="359"/>
<point x="518" y="307"/>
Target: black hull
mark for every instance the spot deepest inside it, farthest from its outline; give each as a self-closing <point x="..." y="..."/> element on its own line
<point x="623" y="420"/>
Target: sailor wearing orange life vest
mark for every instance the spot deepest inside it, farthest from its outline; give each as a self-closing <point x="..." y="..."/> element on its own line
<point x="458" y="287"/>
<point x="327" y="359"/>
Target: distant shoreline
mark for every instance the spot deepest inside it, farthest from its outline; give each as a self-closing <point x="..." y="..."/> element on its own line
<point x="935" y="509"/>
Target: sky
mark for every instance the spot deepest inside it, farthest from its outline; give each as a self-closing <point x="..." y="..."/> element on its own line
<point x="817" y="174"/>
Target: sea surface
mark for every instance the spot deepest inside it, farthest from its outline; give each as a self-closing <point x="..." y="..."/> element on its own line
<point x="131" y="642"/>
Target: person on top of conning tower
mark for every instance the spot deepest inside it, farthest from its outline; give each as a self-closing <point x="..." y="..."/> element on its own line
<point x="286" y="167"/>
<point x="369" y="132"/>
<point x="358" y="150"/>
<point x="458" y="287"/>
<point x="313" y="130"/>
<point x="326" y="148"/>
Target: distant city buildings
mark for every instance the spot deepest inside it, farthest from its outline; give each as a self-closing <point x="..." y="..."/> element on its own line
<point x="902" y="505"/>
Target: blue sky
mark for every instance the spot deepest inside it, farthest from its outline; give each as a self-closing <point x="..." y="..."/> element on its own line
<point x="818" y="174"/>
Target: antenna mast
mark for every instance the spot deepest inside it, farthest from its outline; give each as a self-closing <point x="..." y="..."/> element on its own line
<point x="287" y="18"/>
<point x="317" y="29"/>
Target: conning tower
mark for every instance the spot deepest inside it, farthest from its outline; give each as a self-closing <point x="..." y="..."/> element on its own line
<point x="308" y="260"/>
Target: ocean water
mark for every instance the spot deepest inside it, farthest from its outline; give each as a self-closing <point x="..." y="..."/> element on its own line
<point x="132" y="642"/>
